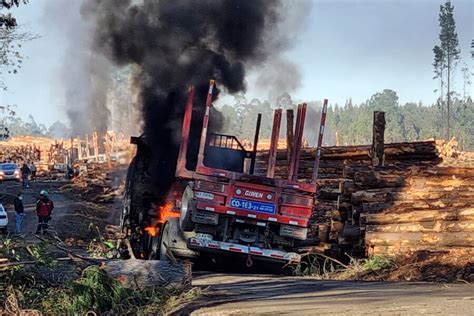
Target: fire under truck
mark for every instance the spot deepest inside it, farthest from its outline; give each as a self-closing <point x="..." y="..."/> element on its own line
<point x="221" y="207"/>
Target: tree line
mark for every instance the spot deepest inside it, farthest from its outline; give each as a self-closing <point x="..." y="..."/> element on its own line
<point x="12" y="125"/>
<point x="351" y="124"/>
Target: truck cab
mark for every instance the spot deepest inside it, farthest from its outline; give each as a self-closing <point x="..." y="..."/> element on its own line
<point x="221" y="207"/>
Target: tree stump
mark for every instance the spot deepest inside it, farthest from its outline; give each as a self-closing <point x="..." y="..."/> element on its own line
<point x="141" y="274"/>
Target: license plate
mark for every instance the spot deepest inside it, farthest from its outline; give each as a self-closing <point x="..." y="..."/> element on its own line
<point x="204" y="236"/>
<point x="204" y="195"/>
<point x="247" y="205"/>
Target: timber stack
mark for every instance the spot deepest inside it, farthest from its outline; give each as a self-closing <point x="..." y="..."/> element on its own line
<point x="410" y="201"/>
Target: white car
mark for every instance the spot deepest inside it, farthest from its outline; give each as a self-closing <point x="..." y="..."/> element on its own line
<point x="9" y="171"/>
<point x="3" y="219"/>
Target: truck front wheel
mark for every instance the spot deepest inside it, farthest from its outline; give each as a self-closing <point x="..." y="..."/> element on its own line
<point x="164" y="243"/>
<point x="188" y="204"/>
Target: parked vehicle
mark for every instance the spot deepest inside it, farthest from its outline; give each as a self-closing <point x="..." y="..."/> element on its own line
<point x="9" y="171"/>
<point x="3" y="219"/>
<point x="220" y="207"/>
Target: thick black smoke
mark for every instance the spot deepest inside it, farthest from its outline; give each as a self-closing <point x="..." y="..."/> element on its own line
<point x="176" y="43"/>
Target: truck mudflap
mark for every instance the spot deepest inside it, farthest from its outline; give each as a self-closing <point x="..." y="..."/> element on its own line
<point x="209" y="245"/>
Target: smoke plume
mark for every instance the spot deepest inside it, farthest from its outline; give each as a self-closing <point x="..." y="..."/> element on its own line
<point x="177" y="43"/>
<point x="83" y="78"/>
<point x="278" y="75"/>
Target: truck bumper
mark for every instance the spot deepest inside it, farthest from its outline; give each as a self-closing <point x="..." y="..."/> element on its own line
<point x="207" y="245"/>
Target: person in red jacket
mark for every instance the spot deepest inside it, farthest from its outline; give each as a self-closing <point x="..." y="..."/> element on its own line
<point x="44" y="207"/>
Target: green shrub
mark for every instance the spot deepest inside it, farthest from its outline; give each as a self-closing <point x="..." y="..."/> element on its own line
<point x="98" y="292"/>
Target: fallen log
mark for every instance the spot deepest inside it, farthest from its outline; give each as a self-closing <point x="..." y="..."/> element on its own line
<point x="374" y="195"/>
<point x="326" y="193"/>
<point x="443" y="182"/>
<point x="374" y="179"/>
<point x="447" y="195"/>
<point x="426" y="149"/>
<point x="441" y="203"/>
<point x="397" y="251"/>
<point x="142" y="274"/>
<point x="421" y="216"/>
<point x="325" y="206"/>
<point x="351" y="232"/>
<point x="444" y="239"/>
<point x="432" y="226"/>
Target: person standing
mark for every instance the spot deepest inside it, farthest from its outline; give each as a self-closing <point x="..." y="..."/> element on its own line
<point x="19" y="211"/>
<point x="44" y="207"/>
<point x="33" y="171"/>
<point x="25" y="173"/>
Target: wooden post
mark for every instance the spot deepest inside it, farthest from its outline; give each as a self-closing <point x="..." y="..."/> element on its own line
<point x="255" y="143"/>
<point x="296" y="148"/>
<point x="289" y="136"/>
<point x="95" y="139"/>
<point x="378" y="155"/>
<point x="88" y="152"/>
<point x="79" y="148"/>
<point x="71" y="152"/>
<point x="274" y="143"/>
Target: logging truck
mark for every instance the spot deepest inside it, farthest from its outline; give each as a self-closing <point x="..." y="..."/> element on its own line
<point x="220" y="207"/>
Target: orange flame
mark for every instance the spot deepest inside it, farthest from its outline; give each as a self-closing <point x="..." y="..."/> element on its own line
<point x="166" y="211"/>
<point x="152" y="231"/>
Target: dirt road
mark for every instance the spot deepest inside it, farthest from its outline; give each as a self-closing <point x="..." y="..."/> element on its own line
<point x="226" y="294"/>
<point x="72" y="217"/>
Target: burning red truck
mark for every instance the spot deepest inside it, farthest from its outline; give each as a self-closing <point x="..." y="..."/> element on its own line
<point x="219" y="206"/>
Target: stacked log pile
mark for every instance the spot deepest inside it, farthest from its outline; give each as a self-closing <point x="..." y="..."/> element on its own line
<point x="432" y="209"/>
<point x="46" y="152"/>
<point x="450" y="153"/>
<point x="409" y="203"/>
<point x="24" y="148"/>
<point x="334" y="159"/>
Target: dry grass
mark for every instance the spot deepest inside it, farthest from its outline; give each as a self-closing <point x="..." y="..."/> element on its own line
<point x="325" y="268"/>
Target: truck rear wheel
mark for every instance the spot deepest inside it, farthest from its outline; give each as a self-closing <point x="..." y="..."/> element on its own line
<point x="154" y="253"/>
<point x="125" y="215"/>
<point x="188" y="204"/>
<point x="169" y="238"/>
<point x="164" y="241"/>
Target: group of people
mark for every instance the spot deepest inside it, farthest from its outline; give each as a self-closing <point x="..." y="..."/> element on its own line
<point x="44" y="209"/>
<point x="26" y="172"/>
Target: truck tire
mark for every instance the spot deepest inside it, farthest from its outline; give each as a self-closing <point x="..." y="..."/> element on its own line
<point x="154" y="253"/>
<point x="127" y="199"/>
<point x="170" y="234"/>
<point x="125" y="214"/>
<point x="188" y="204"/>
<point x="164" y="241"/>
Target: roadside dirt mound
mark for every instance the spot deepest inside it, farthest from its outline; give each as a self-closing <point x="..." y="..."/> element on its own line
<point x="452" y="265"/>
<point x="436" y="265"/>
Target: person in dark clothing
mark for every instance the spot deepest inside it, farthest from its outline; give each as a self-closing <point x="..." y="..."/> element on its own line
<point x="19" y="211"/>
<point x="33" y="171"/>
<point x="69" y="173"/>
<point x="25" y="173"/>
<point x="44" y="207"/>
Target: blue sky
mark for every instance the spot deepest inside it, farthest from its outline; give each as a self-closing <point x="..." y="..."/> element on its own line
<point x="348" y="49"/>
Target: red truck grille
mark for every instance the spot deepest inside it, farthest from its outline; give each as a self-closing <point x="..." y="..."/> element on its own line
<point x="210" y="186"/>
<point x="297" y="200"/>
